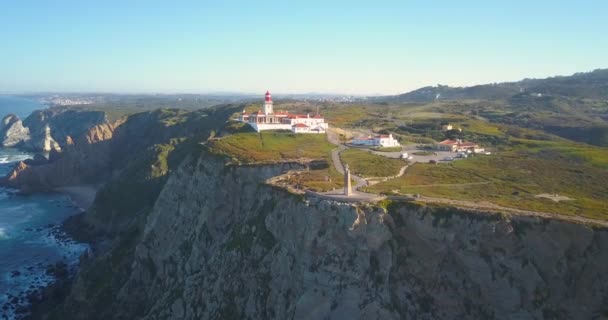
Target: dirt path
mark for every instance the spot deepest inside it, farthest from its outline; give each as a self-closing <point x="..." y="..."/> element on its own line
<point x="359" y="181"/>
<point x="449" y="184"/>
<point x="491" y="207"/>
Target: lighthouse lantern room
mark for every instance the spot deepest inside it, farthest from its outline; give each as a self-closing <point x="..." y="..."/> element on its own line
<point x="268" y="104"/>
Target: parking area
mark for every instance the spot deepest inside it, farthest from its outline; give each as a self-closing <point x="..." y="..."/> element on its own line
<point x="411" y="150"/>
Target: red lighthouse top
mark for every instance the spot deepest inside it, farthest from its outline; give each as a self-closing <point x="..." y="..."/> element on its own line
<point x="268" y="97"/>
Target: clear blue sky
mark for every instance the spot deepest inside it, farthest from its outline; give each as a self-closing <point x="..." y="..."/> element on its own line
<point x="322" y="46"/>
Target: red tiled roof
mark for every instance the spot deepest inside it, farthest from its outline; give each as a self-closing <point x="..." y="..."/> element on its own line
<point x="318" y="117"/>
<point x="467" y="144"/>
<point x="300" y="125"/>
<point x="296" y="116"/>
<point x="448" y="142"/>
<point x="459" y="144"/>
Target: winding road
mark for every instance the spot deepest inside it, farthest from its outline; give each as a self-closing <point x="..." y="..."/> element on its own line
<point x="359" y="181"/>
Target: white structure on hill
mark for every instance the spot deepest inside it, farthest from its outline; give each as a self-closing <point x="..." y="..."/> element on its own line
<point x="383" y="140"/>
<point x="297" y="123"/>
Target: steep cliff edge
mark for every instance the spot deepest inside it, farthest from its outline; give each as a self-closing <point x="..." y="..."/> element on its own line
<point x="50" y="129"/>
<point x="218" y="243"/>
<point x="83" y="159"/>
<point x="103" y="151"/>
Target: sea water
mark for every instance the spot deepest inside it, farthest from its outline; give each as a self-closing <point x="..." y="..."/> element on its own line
<point x="30" y="235"/>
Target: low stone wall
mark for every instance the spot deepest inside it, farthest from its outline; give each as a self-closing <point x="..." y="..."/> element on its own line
<point x="343" y="198"/>
<point x="267" y="126"/>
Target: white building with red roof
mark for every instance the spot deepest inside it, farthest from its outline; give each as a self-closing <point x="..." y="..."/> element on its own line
<point x="459" y="145"/>
<point x="283" y="120"/>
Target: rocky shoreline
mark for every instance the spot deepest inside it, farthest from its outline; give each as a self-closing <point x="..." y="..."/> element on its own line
<point x="43" y="279"/>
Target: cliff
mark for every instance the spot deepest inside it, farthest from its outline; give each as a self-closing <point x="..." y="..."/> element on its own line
<point x="50" y="129"/>
<point x="12" y="131"/>
<point x="82" y="161"/>
<point x="103" y="151"/>
<point x="218" y="243"/>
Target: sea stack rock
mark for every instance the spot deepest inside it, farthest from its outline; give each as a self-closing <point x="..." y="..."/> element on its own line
<point x="12" y="131"/>
<point x="43" y="141"/>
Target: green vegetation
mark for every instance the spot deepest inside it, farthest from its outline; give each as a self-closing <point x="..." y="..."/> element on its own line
<point x="510" y="181"/>
<point x="120" y="106"/>
<point x="367" y="164"/>
<point x="274" y="146"/>
<point x="233" y="127"/>
<point x="528" y="160"/>
<point x="320" y="180"/>
<point x="345" y="116"/>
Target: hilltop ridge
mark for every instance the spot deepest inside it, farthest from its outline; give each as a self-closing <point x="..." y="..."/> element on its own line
<point x="592" y="85"/>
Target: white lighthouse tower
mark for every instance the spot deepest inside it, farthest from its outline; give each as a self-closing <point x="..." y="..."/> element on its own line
<point x="268" y="104"/>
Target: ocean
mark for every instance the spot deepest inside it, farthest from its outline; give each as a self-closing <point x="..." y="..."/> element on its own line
<point x="30" y="235"/>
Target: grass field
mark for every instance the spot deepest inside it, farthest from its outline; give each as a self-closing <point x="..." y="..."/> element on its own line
<point x="367" y="164"/>
<point x="526" y="162"/>
<point x="345" y="116"/>
<point x="319" y="180"/>
<point x="274" y="146"/>
<point x="510" y="181"/>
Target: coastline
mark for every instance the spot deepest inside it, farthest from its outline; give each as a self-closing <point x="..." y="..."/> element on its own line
<point x="45" y="280"/>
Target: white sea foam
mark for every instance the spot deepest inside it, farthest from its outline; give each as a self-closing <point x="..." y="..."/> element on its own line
<point x="11" y="158"/>
<point x="3" y="234"/>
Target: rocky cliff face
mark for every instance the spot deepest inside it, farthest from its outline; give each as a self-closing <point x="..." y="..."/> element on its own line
<point x="12" y="131"/>
<point x="103" y="151"/>
<point x="220" y="244"/>
<point x="48" y="130"/>
<point x="83" y="159"/>
<point x="51" y="128"/>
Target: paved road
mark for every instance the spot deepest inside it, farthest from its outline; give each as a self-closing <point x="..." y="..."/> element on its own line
<point x="438" y="156"/>
<point x="359" y="182"/>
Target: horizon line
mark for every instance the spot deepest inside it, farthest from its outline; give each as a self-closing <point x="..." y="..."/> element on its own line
<point x="246" y="93"/>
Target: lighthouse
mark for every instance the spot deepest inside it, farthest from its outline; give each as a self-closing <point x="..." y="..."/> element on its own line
<point x="268" y="104"/>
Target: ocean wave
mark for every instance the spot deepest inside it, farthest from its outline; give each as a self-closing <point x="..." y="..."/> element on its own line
<point x="14" y="158"/>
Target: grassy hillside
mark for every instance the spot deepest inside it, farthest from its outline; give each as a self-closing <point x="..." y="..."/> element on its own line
<point x="367" y="164"/>
<point x="510" y="180"/>
<point x="274" y="146"/>
<point x="592" y="84"/>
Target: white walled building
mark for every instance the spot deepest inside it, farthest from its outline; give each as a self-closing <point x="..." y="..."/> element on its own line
<point x="383" y="140"/>
<point x="297" y="123"/>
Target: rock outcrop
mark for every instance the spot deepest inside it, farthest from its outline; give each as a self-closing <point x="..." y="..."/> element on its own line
<point x="85" y="159"/>
<point x="12" y="131"/>
<point x="50" y="129"/>
<point x="42" y="140"/>
<point x="221" y="244"/>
